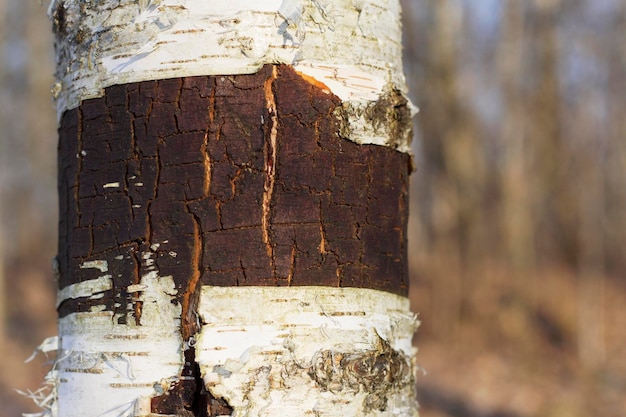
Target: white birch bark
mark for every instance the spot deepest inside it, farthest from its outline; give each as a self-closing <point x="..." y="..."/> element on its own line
<point x="308" y="350"/>
<point x="352" y="46"/>
<point x="103" y="368"/>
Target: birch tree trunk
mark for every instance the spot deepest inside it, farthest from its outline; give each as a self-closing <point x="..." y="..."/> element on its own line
<point x="233" y="192"/>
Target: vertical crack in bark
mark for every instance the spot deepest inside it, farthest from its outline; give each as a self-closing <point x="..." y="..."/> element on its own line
<point x="92" y="239"/>
<point x="233" y="182"/>
<point x="136" y="280"/>
<point x="80" y="153"/>
<point x="177" y="100"/>
<point x="270" y="164"/>
<point x="190" y="297"/>
<point x="157" y="179"/>
<point x="243" y="272"/>
<point x="159" y="167"/>
<point x="206" y="154"/>
<point x="324" y="247"/>
<point x="212" y="104"/>
<point x="207" y="163"/>
<point x="323" y="242"/>
<point x="218" y="211"/>
<point x="292" y="267"/>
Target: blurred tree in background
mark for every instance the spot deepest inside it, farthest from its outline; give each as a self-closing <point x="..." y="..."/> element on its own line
<point x="518" y="218"/>
<point x="519" y="203"/>
<point x="28" y="202"/>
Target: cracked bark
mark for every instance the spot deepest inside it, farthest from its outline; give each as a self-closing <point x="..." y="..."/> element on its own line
<point x="227" y="181"/>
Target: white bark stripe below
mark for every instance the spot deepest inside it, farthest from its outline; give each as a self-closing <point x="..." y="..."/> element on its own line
<point x="352" y="46"/>
<point x="303" y="351"/>
<point x="109" y="369"/>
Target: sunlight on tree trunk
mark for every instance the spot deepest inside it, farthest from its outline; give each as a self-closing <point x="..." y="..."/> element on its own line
<point x="233" y="197"/>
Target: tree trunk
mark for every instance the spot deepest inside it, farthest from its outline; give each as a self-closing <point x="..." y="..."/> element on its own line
<point x="233" y="185"/>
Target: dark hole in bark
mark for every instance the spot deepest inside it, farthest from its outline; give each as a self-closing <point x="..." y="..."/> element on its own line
<point x="200" y="400"/>
<point x="59" y="19"/>
<point x="218" y="407"/>
<point x="188" y="396"/>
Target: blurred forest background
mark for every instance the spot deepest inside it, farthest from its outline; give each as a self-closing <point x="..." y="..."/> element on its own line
<point x="518" y="221"/>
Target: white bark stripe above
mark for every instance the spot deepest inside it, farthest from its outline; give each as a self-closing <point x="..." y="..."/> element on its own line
<point x="351" y="46"/>
<point x="300" y="351"/>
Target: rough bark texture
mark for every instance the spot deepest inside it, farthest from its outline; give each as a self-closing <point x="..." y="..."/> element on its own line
<point x="228" y="181"/>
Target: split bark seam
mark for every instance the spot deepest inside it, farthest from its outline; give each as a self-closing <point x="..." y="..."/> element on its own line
<point x="270" y="164"/>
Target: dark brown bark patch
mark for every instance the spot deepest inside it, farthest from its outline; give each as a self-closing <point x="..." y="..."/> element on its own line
<point x="228" y="180"/>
